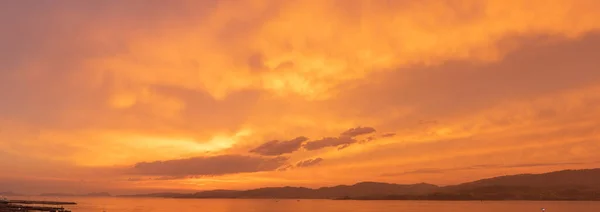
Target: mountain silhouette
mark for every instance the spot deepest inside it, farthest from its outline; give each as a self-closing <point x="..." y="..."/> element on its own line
<point x="363" y="188"/>
<point x="559" y="185"/>
<point x="10" y="193"/>
<point x="99" y="194"/>
<point x="564" y="178"/>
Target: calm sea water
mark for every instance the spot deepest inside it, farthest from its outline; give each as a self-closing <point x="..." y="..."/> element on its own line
<point x="269" y="205"/>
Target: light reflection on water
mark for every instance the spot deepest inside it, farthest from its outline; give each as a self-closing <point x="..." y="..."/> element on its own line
<point x="114" y="204"/>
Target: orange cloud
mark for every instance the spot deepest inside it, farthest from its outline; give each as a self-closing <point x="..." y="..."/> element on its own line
<point x="87" y="86"/>
<point x="278" y="46"/>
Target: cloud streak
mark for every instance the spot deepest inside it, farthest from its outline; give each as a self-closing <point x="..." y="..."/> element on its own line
<point x="328" y="142"/>
<point x="275" y="147"/>
<point x="358" y="131"/>
<point x="388" y="135"/>
<point x="301" y="164"/>
<point x="309" y="162"/>
<point x="345" y="139"/>
<point x="208" y="166"/>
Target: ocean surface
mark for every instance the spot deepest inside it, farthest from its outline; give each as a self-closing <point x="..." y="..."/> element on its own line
<point x="115" y="204"/>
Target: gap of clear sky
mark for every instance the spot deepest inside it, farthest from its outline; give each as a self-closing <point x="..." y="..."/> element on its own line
<point x="136" y="96"/>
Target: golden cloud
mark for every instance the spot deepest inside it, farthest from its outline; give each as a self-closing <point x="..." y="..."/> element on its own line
<point x="309" y="47"/>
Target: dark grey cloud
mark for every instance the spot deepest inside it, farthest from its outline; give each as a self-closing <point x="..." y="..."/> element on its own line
<point x="276" y="147"/>
<point x="301" y="164"/>
<point x="285" y="167"/>
<point x="309" y="162"/>
<point x="368" y="139"/>
<point x="343" y="146"/>
<point x="329" y="142"/>
<point x="387" y="135"/>
<point x="481" y="166"/>
<point x="208" y="166"/>
<point x="373" y="138"/>
<point x="353" y="132"/>
<point x="345" y="139"/>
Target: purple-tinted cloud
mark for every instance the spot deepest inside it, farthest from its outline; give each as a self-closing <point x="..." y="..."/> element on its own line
<point x="215" y="165"/>
<point x="276" y="147"/>
<point x="328" y="142"/>
<point x="387" y="135"/>
<point x="353" y="132"/>
<point x="309" y="162"/>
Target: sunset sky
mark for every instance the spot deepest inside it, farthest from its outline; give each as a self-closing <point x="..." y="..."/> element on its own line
<point x="155" y="95"/>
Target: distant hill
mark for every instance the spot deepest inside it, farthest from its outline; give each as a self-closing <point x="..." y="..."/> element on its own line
<point x="359" y="189"/>
<point x="165" y="195"/>
<point x="99" y="194"/>
<point x="10" y="193"/>
<point x="566" y="178"/>
<point x="374" y="188"/>
<point x="560" y="185"/>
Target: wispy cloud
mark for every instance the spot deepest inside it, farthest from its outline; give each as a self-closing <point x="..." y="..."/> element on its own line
<point x="353" y="132"/>
<point x="328" y="142"/>
<point x="309" y="162"/>
<point x="301" y="164"/>
<point x="276" y="147"/>
<point x="387" y="135"/>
